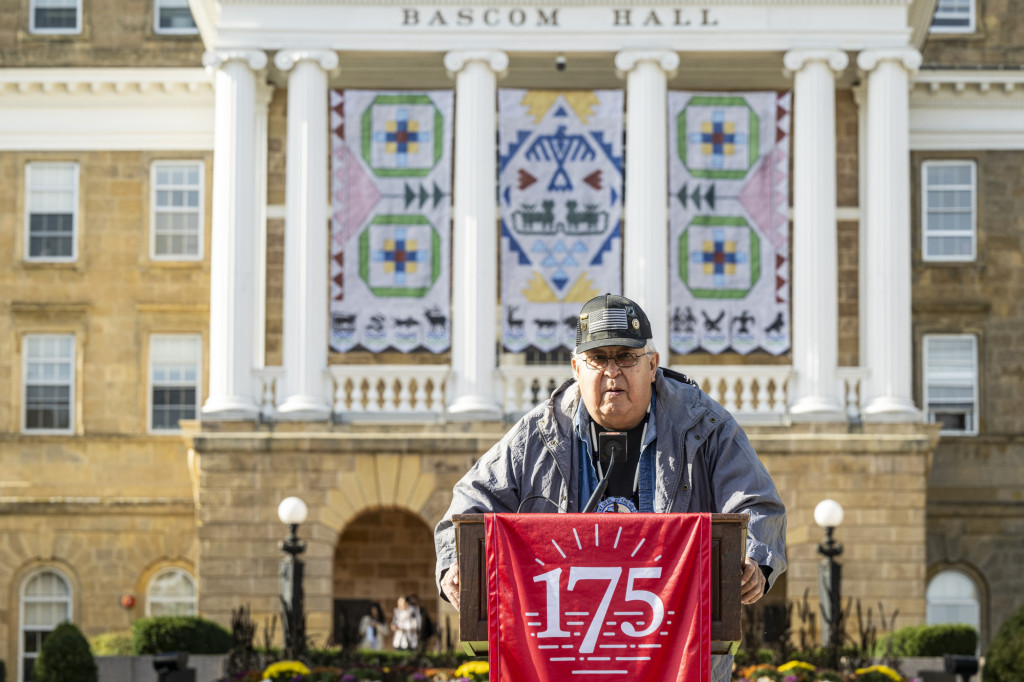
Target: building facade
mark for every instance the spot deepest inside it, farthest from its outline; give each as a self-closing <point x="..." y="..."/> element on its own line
<point x="164" y="215"/>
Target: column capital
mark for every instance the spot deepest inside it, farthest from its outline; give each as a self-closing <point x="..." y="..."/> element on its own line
<point x="287" y="59"/>
<point x="255" y="59"/>
<point x="908" y="57"/>
<point x="627" y="60"/>
<point x="795" y="60"/>
<point x="456" y="61"/>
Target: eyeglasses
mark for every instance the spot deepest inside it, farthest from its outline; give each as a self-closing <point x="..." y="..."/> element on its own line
<point x="624" y="359"/>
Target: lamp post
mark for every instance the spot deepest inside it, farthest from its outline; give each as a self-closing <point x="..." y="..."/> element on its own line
<point x="829" y="514"/>
<point x="292" y="511"/>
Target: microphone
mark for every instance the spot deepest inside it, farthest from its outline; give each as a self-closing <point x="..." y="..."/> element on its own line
<point x="611" y="449"/>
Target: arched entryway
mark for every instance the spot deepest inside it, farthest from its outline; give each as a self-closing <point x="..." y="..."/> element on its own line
<point x="382" y="554"/>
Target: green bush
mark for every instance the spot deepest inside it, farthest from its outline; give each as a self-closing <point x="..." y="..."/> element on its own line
<point x="3" y="672"/>
<point x="193" y="634"/>
<point x="1004" y="661"/>
<point x="112" y="644"/>
<point x="65" y="657"/>
<point x="929" y="640"/>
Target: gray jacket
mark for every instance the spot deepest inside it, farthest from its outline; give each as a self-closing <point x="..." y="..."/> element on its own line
<point x="703" y="463"/>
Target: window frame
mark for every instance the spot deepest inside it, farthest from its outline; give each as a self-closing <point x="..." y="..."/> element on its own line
<point x="971" y="27"/>
<point x="72" y="397"/>
<point x="157" y="4"/>
<point x="37" y="30"/>
<point x="165" y="571"/>
<point x="977" y="603"/>
<point x="200" y="209"/>
<point x="973" y="429"/>
<point x="925" y="233"/>
<point x="75" y="194"/>
<point x="22" y="629"/>
<point x="151" y="384"/>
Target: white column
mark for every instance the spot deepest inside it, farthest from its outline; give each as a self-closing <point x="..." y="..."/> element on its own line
<point x="472" y="391"/>
<point x="306" y="235"/>
<point x="815" y="392"/>
<point x="233" y="235"/>
<point x="645" y="213"/>
<point x="887" y="301"/>
<point x="264" y="93"/>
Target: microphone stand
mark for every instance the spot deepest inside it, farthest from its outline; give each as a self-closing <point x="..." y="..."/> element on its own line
<point x="599" y="490"/>
<point x="611" y="444"/>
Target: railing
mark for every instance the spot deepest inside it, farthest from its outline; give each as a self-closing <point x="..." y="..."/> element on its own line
<point x="755" y="394"/>
<point x="406" y="391"/>
<point x="752" y="393"/>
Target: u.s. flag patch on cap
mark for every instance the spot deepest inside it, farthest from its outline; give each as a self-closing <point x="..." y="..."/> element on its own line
<point x="603" y="320"/>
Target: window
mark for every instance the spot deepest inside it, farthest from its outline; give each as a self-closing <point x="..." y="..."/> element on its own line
<point x="951" y="382"/>
<point x="952" y="597"/>
<point x="173" y="17"/>
<point x="51" y="207"/>
<point x="177" y="213"/>
<point x="45" y="604"/>
<point x="49" y="382"/>
<point x="171" y="592"/>
<point x="55" y="16"/>
<point x="953" y="16"/>
<point x="174" y="362"/>
<point x="949" y="225"/>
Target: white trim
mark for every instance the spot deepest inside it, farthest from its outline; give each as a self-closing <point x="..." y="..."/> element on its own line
<point x="967" y="110"/>
<point x="33" y="29"/>
<point x="926" y="408"/>
<point x="973" y="234"/>
<point x="158" y="5"/>
<point x="71" y="386"/>
<point x="200" y="209"/>
<point x="21" y="611"/>
<point x="27" y="253"/>
<point x="197" y="338"/>
<point x="115" y="109"/>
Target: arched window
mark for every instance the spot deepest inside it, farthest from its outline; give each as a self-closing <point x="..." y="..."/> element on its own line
<point x="952" y="597"/>
<point x="171" y="592"/>
<point x="45" y="604"/>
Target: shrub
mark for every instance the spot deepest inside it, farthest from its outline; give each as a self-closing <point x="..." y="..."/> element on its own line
<point x="3" y="672"/>
<point x="112" y="644"/>
<point x="65" y="657"/>
<point x="1004" y="661"/>
<point x="193" y="634"/>
<point x="929" y="640"/>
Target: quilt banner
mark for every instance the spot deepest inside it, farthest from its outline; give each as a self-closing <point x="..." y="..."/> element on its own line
<point x="391" y="175"/>
<point x="610" y="596"/>
<point x="560" y="193"/>
<point x="729" y="222"/>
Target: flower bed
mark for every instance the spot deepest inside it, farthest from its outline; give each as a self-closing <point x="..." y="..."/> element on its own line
<point x="364" y="671"/>
<point x="800" y="671"/>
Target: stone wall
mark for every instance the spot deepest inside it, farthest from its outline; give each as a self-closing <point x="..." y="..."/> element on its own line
<point x="114" y="34"/>
<point x="976" y="492"/>
<point x="998" y="40"/>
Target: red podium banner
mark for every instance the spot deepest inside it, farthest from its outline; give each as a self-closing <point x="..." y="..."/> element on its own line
<point x="602" y="595"/>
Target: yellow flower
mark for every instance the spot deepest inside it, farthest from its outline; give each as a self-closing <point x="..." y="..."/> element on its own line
<point x="290" y="668"/>
<point x="884" y="669"/>
<point x="472" y="668"/>
<point x="793" y="665"/>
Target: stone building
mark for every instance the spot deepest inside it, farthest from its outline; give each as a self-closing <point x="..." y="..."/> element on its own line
<point x="163" y="214"/>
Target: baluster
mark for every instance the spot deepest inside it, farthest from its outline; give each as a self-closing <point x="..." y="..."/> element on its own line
<point x="747" y="394"/>
<point x="730" y="396"/>
<point x="404" y="395"/>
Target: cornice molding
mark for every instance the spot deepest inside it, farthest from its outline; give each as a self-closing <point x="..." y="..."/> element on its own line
<point x="952" y="84"/>
<point x="104" y="81"/>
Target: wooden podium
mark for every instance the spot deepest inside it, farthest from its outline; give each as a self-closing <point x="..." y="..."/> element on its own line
<point x="728" y="548"/>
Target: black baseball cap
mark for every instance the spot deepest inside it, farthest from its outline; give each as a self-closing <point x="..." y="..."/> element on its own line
<point x="610" y="320"/>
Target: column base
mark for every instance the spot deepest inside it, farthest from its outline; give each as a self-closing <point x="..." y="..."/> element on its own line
<point x="889" y="409"/>
<point x="229" y="408"/>
<point x="303" y="408"/>
<point x="474" y="408"/>
<point x="817" y="408"/>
